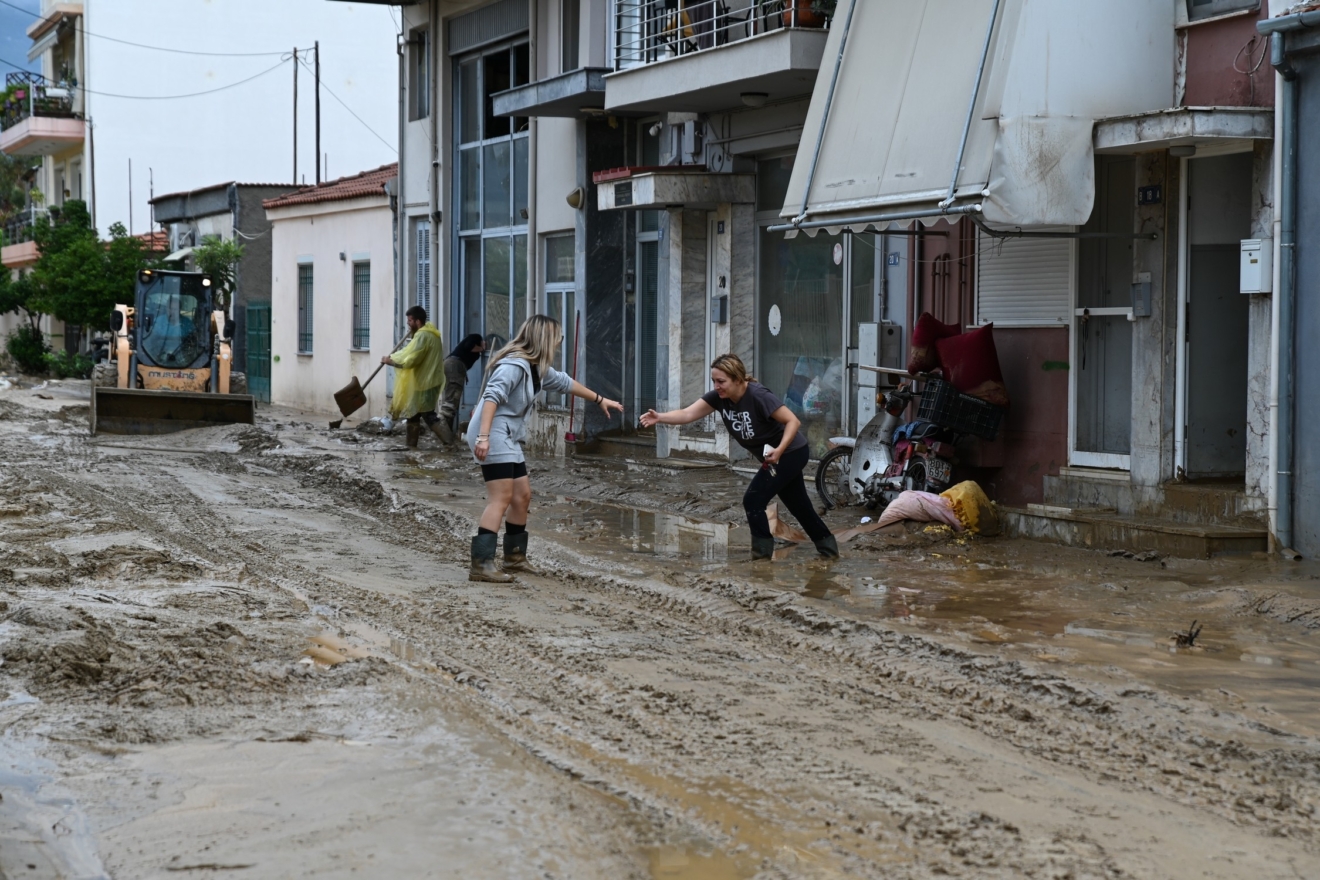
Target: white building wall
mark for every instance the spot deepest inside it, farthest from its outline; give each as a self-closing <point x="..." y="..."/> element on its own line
<point x="359" y="229"/>
<point x="557" y="175"/>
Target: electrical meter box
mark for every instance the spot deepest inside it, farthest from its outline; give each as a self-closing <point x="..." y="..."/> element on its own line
<point x="1257" y="265"/>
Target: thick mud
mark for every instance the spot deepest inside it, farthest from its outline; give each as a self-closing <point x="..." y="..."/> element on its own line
<point x="253" y="652"/>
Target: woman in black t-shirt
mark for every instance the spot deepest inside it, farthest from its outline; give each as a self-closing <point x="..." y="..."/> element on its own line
<point x="768" y="430"/>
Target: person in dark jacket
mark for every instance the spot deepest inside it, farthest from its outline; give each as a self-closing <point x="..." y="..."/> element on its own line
<point x="460" y="360"/>
<point x="762" y="425"/>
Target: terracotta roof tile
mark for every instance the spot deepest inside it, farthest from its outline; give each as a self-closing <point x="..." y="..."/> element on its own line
<point x="157" y="241"/>
<point x="363" y="185"/>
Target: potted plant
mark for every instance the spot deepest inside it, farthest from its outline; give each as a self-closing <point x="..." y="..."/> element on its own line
<point x="809" y="13"/>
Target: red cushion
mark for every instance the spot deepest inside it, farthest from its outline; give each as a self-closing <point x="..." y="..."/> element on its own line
<point x="971" y="364"/>
<point x="923" y="356"/>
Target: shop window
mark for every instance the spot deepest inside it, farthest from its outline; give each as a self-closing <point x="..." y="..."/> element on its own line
<point x="491" y="194"/>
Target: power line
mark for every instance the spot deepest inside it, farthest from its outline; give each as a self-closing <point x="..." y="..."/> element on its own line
<point x="182" y="51"/>
<point x="393" y="149"/>
<point x="87" y="33"/>
<point x="166" y="97"/>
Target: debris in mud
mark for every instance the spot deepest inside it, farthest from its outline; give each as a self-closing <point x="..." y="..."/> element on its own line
<point x="256" y="440"/>
<point x="1187" y="639"/>
<point x="1146" y="556"/>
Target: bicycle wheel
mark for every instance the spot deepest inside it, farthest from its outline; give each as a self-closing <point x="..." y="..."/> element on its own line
<point x="833" y="478"/>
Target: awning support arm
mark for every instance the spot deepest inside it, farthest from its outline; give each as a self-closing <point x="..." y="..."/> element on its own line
<point x="825" y="113"/>
<point x="861" y="223"/>
<point x="1019" y="232"/>
<point x="971" y="107"/>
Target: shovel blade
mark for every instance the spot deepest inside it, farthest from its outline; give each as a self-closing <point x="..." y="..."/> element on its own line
<point x="351" y="397"/>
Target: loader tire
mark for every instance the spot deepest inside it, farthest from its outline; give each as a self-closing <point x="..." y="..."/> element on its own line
<point x="238" y="383"/>
<point x="105" y="375"/>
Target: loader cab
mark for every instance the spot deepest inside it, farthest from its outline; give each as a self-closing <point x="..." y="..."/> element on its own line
<point x="172" y="318"/>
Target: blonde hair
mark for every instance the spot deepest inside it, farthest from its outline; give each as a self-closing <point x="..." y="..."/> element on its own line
<point x="732" y="366"/>
<point x="536" y="342"/>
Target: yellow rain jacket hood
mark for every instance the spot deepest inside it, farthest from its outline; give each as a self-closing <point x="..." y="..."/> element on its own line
<point x="420" y="375"/>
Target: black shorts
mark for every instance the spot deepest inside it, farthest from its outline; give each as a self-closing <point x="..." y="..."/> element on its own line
<point x="509" y="470"/>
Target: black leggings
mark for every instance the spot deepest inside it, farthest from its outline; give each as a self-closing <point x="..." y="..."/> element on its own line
<point x="788" y="484"/>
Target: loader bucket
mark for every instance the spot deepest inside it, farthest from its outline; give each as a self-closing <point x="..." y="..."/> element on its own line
<point x="135" y="411"/>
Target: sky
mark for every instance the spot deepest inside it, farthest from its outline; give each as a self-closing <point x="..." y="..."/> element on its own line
<point x="200" y="92"/>
<point x="13" y="33"/>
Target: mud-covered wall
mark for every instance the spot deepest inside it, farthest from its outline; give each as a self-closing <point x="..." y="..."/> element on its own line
<point x="1226" y="63"/>
<point x="1033" y="439"/>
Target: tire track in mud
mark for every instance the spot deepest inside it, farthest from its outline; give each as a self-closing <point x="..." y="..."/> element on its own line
<point x="565" y="705"/>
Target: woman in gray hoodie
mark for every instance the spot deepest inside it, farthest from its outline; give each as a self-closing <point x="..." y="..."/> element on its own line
<point x="516" y="374"/>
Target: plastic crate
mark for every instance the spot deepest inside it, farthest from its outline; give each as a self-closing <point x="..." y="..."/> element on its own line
<point x="948" y="407"/>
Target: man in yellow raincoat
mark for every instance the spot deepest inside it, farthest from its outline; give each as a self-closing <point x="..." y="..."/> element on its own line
<point x="420" y="379"/>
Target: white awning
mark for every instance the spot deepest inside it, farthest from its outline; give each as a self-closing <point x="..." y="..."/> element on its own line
<point x="180" y="254"/>
<point x="910" y="72"/>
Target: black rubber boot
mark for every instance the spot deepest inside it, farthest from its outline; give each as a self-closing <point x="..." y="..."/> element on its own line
<point x="442" y="430"/>
<point x="828" y="547"/>
<point x="763" y="548"/>
<point x="483" y="561"/>
<point x="515" y="554"/>
<point x="413" y="434"/>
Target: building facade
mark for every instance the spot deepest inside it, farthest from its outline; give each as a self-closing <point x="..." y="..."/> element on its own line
<point x="333" y="292"/>
<point x="231" y="212"/>
<point x="729" y="176"/>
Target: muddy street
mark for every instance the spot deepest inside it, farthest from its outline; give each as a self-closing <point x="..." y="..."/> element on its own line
<point x="254" y="652"/>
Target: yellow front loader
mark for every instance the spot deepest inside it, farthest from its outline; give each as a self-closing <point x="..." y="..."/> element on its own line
<point x="169" y="366"/>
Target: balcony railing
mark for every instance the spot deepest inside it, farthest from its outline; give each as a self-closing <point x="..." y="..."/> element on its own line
<point x="18" y="229"/>
<point x="30" y="95"/>
<point x="646" y="31"/>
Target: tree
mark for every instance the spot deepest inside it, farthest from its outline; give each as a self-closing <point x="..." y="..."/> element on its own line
<point x="15" y="171"/>
<point x="219" y="259"/>
<point x="79" y="278"/>
<point x="18" y="295"/>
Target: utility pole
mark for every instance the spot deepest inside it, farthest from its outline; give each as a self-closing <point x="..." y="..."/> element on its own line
<point x="317" y="49"/>
<point x="295" y="115"/>
<point x="130" y="197"/>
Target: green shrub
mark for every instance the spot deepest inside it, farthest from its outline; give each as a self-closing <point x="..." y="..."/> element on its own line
<point x="69" y="366"/>
<point x="27" y="346"/>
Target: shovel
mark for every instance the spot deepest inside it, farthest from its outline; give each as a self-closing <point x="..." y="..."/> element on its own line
<point x="352" y="397"/>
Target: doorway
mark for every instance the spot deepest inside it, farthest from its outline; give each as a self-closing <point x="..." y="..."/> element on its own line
<point x="1100" y="427"/>
<point x="258" y="350"/>
<point x="1215" y="317"/>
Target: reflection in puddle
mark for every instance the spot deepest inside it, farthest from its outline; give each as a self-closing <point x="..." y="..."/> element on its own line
<point x="641" y="531"/>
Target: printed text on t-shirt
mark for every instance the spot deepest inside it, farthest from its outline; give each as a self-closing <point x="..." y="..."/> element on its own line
<point x="740" y="423"/>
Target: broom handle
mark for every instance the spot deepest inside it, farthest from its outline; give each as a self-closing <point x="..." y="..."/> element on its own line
<point x="380" y="366"/>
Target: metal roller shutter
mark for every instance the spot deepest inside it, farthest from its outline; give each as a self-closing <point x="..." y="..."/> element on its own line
<point x="1025" y="282"/>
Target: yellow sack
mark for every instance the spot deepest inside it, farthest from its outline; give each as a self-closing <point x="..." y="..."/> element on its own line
<point x="420" y="374"/>
<point x="973" y="509"/>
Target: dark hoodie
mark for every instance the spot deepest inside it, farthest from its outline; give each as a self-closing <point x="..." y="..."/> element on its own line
<point x="464" y="350"/>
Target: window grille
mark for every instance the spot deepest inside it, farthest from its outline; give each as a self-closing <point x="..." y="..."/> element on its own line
<point x="424" y="266"/>
<point x="362" y="305"/>
<point x="305" y="309"/>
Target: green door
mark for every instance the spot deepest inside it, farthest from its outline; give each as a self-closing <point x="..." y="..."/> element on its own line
<point x="258" y="350"/>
